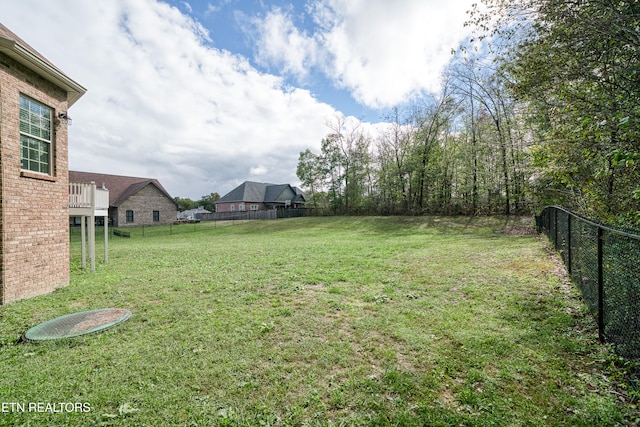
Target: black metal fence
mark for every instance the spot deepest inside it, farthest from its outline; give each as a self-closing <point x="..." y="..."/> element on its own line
<point x="604" y="263"/>
<point x="238" y="215"/>
<point x="268" y="214"/>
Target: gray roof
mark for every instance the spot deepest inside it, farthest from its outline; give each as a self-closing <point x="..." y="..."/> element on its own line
<point x="260" y="192"/>
<point x="300" y="195"/>
<point x="274" y="192"/>
<point x="246" y="192"/>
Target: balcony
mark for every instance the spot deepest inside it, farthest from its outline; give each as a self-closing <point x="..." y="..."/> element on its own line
<point x="87" y="202"/>
<point x="85" y="198"/>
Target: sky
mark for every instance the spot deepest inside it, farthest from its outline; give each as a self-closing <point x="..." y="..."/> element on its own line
<point x="204" y="95"/>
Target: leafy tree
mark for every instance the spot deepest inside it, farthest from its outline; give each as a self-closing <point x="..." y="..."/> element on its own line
<point x="576" y="67"/>
<point x="185" y="203"/>
<point x="208" y="201"/>
<point x="312" y="174"/>
<point x="431" y="122"/>
<point x="347" y="149"/>
<point x="394" y="146"/>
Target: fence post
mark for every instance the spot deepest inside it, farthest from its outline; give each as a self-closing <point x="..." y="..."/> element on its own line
<point x="555" y="228"/>
<point x="569" y="243"/>
<point x="600" y="287"/>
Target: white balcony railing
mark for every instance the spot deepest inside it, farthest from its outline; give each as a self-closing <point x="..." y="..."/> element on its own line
<point x="86" y="196"/>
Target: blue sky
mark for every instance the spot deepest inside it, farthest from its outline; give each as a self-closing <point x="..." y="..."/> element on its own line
<point x="229" y="23"/>
<point x="204" y="95"/>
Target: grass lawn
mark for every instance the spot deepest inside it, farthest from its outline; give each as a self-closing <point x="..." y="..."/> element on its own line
<point x="320" y="321"/>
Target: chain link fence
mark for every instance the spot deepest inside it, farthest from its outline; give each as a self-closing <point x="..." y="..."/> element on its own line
<point x="604" y="263"/>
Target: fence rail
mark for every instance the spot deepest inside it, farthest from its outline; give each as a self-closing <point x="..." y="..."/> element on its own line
<point x="604" y="263"/>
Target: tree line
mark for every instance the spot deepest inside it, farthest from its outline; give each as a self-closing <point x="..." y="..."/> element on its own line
<point x="541" y="107"/>
<point x="208" y="202"/>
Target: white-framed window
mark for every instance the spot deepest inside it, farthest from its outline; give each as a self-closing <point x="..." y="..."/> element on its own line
<point x="36" y="136"/>
<point x="232" y="208"/>
<point x="241" y="207"/>
<point x="254" y="207"/>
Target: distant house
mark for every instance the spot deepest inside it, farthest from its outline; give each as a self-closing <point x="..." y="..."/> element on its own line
<point x="132" y="200"/>
<point x="34" y="190"/>
<point x="193" y="214"/>
<point x="259" y="196"/>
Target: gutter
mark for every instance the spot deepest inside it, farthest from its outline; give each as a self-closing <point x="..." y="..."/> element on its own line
<point x="43" y="68"/>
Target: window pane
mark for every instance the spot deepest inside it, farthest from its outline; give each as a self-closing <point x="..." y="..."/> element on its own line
<point x="34" y="130"/>
<point x="24" y="126"/>
<point x="35" y="135"/>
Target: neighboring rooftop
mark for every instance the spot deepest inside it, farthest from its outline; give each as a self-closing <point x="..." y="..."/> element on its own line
<point x="120" y="187"/>
<point x="259" y="192"/>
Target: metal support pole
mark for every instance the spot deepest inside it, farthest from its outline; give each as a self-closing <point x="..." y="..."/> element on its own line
<point x="600" y="287"/>
<point x="92" y="241"/>
<point x="82" y="239"/>
<point x="106" y="239"/>
<point x="555" y="228"/>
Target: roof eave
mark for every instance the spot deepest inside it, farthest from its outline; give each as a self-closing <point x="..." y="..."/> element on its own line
<point x="25" y="57"/>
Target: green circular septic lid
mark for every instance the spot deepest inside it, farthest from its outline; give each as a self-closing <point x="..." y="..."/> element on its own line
<point x="72" y="325"/>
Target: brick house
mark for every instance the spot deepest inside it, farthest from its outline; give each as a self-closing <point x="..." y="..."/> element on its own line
<point x="132" y="200"/>
<point x="260" y="196"/>
<point x="34" y="205"/>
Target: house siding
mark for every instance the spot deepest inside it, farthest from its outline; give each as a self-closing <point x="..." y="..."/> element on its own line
<point x="143" y="203"/>
<point x="34" y="246"/>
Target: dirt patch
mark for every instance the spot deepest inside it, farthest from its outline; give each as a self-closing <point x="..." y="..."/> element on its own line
<point x="78" y="304"/>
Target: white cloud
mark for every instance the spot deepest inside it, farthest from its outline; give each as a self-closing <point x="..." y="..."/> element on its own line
<point x="162" y="102"/>
<point x="258" y="170"/>
<point x="282" y="44"/>
<point x="383" y="52"/>
<point x="187" y="6"/>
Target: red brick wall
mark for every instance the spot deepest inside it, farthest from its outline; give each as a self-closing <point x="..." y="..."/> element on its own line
<point x="226" y="207"/>
<point x="34" y="216"/>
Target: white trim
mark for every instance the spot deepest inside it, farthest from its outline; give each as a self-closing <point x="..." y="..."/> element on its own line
<point x="28" y="59"/>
